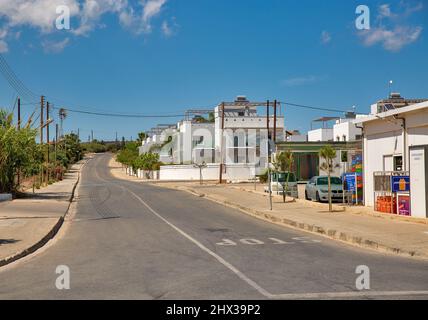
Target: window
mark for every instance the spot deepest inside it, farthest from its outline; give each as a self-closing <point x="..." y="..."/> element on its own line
<point x="398" y="163"/>
<point x="324" y="181"/>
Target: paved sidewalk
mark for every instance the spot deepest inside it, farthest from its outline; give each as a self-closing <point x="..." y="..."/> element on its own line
<point x="26" y="224"/>
<point x="355" y="225"/>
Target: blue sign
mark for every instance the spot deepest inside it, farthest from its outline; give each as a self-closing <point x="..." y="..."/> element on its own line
<point x="400" y="183"/>
<point x="350" y="182"/>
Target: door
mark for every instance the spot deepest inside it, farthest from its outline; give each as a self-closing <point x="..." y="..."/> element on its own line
<point x="418" y="181"/>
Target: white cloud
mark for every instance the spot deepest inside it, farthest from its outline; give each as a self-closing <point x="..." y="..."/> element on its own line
<point x="392" y="40"/>
<point x="325" y="37"/>
<point x="302" y="81"/>
<point x="38" y="14"/>
<point x="141" y="22"/>
<point x="92" y="11"/>
<point x="392" y="30"/>
<point x="166" y="29"/>
<point x="86" y="15"/>
<point x="55" y="47"/>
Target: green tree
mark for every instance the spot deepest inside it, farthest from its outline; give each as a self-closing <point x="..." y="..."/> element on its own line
<point x="328" y="154"/>
<point x="128" y="154"/>
<point x="18" y="152"/>
<point x="72" y="147"/>
<point x="147" y="162"/>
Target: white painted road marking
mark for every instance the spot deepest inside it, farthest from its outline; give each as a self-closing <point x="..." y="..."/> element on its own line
<point x="274" y="241"/>
<point x="200" y="245"/>
<point x="269" y="295"/>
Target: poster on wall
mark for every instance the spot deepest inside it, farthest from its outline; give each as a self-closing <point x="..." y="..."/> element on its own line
<point x="403" y="204"/>
<point x="400" y="183"/>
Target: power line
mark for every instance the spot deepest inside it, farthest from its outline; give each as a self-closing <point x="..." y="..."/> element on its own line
<point x="313" y="107"/>
<point x="121" y="115"/>
<point x="14" y="81"/>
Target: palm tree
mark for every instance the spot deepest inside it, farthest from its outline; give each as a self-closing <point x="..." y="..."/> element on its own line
<point x="328" y="154"/>
<point x="62" y="115"/>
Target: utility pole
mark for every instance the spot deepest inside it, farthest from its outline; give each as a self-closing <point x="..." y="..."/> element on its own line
<point x="19" y="113"/>
<point x="42" y="103"/>
<point x="268" y="157"/>
<point x="221" y="144"/>
<point x="19" y="128"/>
<point x="92" y="135"/>
<point x="56" y="144"/>
<point x="274" y="121"/>
<point x="48" y="142"/>
<point x="78" y="133"/>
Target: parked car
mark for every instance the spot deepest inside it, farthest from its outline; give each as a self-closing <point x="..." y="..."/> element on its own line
<point x="279" y="181"/>
<point x="317" y="189"/>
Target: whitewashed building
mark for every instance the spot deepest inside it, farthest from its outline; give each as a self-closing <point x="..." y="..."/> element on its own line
<point x="237" y="138"/>
<point x="395" y="138"/>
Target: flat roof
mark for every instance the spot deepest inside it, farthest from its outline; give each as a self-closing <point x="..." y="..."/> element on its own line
<point x="390" y="113"/>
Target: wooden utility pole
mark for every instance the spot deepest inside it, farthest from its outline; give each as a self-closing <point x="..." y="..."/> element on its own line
<point x="19" y="128"/>
<point x="42" y="103"/>
<point x="48" y="142"/>
<point x="268" y="157"/>
<point x="221" y="144"/>
<point x="274" y="121"/>
<point x="56" y="143"/>
<point x="19" y="113"/>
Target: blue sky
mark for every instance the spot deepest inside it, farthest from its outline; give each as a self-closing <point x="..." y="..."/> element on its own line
<point x="166" y="56"/>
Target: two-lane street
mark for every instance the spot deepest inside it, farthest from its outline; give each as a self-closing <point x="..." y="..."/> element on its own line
<point x="132" y="240"/>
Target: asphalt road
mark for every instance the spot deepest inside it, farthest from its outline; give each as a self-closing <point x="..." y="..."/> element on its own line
<point x="133" y="240"/>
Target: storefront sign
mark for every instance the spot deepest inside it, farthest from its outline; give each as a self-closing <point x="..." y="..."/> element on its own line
<point x="403" y="202"/>
<point x="400" y="183"/>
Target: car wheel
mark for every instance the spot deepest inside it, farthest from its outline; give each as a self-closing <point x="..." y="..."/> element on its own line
<point x="317" y="197"/>
<point x="306" y="195"/>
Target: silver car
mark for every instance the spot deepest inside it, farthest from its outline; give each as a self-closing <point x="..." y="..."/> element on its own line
<point x="317" y="189"/>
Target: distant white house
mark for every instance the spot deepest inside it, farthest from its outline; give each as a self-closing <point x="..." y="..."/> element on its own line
<point x="344" y="129"/>
<point x="238" y="138"/>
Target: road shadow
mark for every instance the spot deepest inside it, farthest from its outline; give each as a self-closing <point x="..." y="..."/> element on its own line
<point x="8" y="241"/>
<point x="44" y="196"/>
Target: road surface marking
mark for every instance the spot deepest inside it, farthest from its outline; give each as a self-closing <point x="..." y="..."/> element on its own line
<point x="251" y="242"/>
<point x="279" y="241"/>
<point x="284" y="296"/>
<point x="350" y="294"/>
<point x="200" y="245"/>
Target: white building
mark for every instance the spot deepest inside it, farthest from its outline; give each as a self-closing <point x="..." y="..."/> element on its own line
<point x="394" y="140"/>
<point x="238" y="138"/>
<point x="245" y="132"/>
<point x="344" y="129"/>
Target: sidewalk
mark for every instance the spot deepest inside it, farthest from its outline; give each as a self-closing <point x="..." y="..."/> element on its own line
<point x="358" y="226"/>
<point x="28" y="223"/>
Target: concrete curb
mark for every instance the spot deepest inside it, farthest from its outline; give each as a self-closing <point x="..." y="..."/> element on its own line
<point x="328" y="233"/>
<point x="50" y="235"/>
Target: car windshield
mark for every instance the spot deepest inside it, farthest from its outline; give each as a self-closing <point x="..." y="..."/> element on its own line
<point x="282" y="177"/>
<point x="324" y="181"/>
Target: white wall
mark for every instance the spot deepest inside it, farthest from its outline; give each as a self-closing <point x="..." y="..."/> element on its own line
<point x="235" y="172"/>
<point x="323" y="134"/>
<point x="347" y="130"/>
<point x="384" y="138"/>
